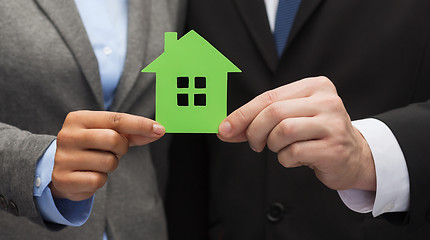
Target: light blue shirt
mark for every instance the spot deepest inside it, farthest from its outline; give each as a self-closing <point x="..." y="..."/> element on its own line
<point x="105" y="22"/>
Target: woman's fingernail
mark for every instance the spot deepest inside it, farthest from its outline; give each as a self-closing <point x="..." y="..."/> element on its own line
<point x="158" y="129"/>
<point x="225" y="128"/>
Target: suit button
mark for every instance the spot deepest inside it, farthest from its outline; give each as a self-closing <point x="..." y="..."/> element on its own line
<point x="3" y="204"/>
<point x="276" y="212"/>
<point x="12" y="208"/>
<point x="428" y="215"/>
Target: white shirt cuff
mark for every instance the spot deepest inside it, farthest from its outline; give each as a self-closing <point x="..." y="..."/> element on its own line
<point x="392" y="177"/>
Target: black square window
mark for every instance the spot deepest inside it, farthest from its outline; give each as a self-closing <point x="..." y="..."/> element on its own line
<point x="199" y="99"/>
<point x="200" y="82"/>
<point x="183" y="82"/>
<point x="182" y="99"/>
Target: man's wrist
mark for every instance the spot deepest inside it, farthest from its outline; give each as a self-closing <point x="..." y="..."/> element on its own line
<point x="392" y="178"/>
<point x="366" y="176"/>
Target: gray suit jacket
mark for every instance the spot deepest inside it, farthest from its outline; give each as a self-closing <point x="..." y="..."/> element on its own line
<point x="47" y="69"/>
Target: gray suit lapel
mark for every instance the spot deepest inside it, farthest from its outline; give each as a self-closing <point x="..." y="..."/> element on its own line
<point x="139" y="17"/>
<point x="65" y="17"/>
<point x="147" y="22"/>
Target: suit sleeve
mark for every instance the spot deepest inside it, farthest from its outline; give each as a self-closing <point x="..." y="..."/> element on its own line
<point x="411" y="127"/>
<point x="19" y="153"/>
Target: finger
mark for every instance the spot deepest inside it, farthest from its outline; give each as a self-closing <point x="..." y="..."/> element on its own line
<point x="90" y="160"/>
<point x="241" y="137"/>
<point x="120" y="122"/>
<point x="78" y="182"/>
<point x="304" y="153"/>
<point x="137" y="140"/>
<point x="103" y="139"/>
<point x="272" y="115"/>
<point x="239" y="120"/>
<point x="71" y="196"/>
<point x="293" y="130"/>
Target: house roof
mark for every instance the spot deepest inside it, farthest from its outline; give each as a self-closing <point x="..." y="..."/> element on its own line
<point x="190" y="54"/>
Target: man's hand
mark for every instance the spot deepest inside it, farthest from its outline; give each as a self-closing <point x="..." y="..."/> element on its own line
<point x="306" y="123"/>
<point x="90" y="145"/>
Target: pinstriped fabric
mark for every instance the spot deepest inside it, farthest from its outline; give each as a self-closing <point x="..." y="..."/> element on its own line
<point x="285" y="15"/>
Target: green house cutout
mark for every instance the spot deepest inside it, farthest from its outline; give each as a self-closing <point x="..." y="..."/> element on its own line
<point x="191" y="84"/>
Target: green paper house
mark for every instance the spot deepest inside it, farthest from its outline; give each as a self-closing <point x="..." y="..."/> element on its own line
<point x="191" y="84"/>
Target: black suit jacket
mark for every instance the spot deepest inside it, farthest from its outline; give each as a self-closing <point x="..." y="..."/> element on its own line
<point x="377" y="54"/>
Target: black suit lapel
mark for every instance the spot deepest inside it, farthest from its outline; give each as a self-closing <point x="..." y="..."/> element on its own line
<point x="306" y="9"/>
<point x="254" y="15"/>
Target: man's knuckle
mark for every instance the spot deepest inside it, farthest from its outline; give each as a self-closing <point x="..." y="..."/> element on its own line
<point x="321" y="81"/>
<point x="332" y="103"/>
<point x="335" y="101"/>
<point x="270" y="96"/>
<point x="338" y="127"/>
<point x="287" y="128"/>
<point x="340" y="151"/>
<point x="242" y="116"/>
<point x="271" y="146"/>
<point x="249" y="134"/>
<point x="283" y="159"/>
<point x="276" y="111"/>
<point x="294" y="150"/>
<point x="327" y="83"/>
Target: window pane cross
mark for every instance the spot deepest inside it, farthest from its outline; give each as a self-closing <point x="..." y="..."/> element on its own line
<point x="197" y="91"/>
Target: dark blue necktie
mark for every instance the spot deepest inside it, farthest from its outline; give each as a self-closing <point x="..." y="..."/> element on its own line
<point x="285" y="15"/>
